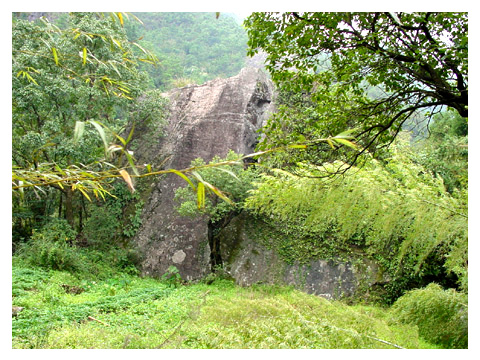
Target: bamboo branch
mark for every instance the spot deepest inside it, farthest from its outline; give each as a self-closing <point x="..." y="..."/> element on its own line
<point x="101" y="322"/>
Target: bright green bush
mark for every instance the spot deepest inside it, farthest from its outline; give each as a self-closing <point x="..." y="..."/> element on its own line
<point x="441" y="315"/>
<point x="233" y="180"/>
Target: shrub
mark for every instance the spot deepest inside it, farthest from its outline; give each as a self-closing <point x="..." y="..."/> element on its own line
<point x="50" y="247"/>
<point x="441" y="315"/>
<point x="394" y="211"/>
<point x="102" y="225"/>
<point x="172" y="277"/>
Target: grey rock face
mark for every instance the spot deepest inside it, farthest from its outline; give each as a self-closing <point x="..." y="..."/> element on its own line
<point x="205" y="121"/>
<point x="248" y="261"/>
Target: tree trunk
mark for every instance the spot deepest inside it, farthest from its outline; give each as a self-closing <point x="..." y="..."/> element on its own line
<point x="69" y="207"/>
<point x="60" y="203"/>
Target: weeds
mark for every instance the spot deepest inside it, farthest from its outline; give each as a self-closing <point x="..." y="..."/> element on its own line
<point x="143" y="313"/>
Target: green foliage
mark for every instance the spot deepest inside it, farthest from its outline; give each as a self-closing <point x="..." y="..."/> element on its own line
<point x="57" y="246"/>
<point x="441" y="315"/>
<point x="300" y="119"/>
<point x="115" y="220"/>
<point x="445" y="151"/>
<point x="376" y="70"/>
<point x="50" y="247"/>
<point x="396" y="212"/>
<point x="191" y="47"/>
<point x="172" y="277"/>
<point x="49" y="306"/>
<point x="141" y="313"/>
<point x="64" y="81"/>
<point x="102" y="226"/>
<point x="233" y="180"/>
<point x="135" y="220"/>
<point x="149" y="112"/>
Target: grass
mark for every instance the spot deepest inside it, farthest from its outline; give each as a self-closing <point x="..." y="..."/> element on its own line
<point x="144" y="313"/>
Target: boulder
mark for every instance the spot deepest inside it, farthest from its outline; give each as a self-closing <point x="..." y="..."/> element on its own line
<point x="205" y="121"/>
<point x="250" y="260"/>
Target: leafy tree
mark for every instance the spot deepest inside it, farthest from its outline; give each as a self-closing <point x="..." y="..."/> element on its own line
<point x="415" y="62"/>
<point x="63" y="79"/>
<point x="445" y="151"/>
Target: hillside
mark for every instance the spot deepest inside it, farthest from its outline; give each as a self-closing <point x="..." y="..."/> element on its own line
<point x="191" y="47"/>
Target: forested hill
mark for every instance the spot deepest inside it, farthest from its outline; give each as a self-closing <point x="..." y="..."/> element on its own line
<point x="191" y="47"/>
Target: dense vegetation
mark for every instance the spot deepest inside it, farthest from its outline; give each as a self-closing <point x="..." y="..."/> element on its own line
<point x="367" y="154"/>
<point x="126" y="312"/>
<point x="191" y="47"/>
<point x="366" y="72"/>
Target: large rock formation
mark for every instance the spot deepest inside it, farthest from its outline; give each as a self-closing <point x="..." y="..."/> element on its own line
<point x="249" y="260"/>
<point x="205" y="121"/>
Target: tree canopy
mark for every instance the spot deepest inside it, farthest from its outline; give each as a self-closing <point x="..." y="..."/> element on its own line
<point x="65" y="82"/>
<point x="368" y="71"/>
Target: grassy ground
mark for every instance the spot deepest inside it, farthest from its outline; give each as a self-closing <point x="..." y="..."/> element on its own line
<point x="65" y="311"/>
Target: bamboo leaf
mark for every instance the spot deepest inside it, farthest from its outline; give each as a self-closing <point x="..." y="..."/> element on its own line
<point x="227" y="171"/>
<point x="85" y="194"/>
<point x="137" y="19"/>
<point x="31" y="78"/>
<point x="346" y="134"/>
<point x="197" y="176"/>
<point x="59" y="169"/>
<point x="120" y="17"/>
<point x="331" y="144"/>
<point x="116" y="42"/>
<point x="217" y="192"/>
<point x="22" y="193"/>
<point x="84" y="58"/>
<point x="396" y="18"/>
<point x="131" y="162"/>
<point x="184" y="177"/>
<point x="130" y="134"/>
<point x="201" y="196"/>
<point x="114" y="68"/>
<point x="346" y="142"/>
<point x="78" y="131"/>
<point x="101" y="132"/>
<point x="55" y="55"/>
<point x="297" y="146"/>
<point x="113" y="148"/>
<point x="126" y="177"/>
<point x="143" y="50"/>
